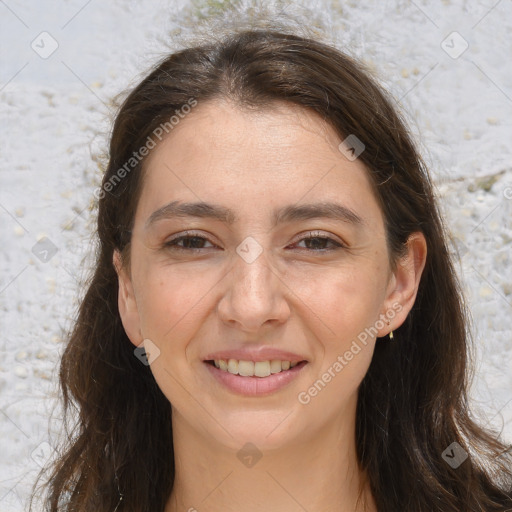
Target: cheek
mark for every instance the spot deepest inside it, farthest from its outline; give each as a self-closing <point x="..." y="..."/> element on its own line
<point x="343" y="309"/>
<point x="171" y="301"/>
<point x="348" y="307"/>
<point x="346" y="300"/>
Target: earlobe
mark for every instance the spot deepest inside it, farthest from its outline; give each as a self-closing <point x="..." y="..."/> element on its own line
<point x="405" y="282"/>
<point x="126" y="302"/>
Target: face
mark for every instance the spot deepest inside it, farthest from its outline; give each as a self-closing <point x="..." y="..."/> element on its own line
<point x="262" y="274"/>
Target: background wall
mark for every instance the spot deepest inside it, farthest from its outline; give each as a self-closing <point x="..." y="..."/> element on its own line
<point x="447" y="64"/>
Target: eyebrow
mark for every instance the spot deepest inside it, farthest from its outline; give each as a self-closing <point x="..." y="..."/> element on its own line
<point x="290" y="213"/>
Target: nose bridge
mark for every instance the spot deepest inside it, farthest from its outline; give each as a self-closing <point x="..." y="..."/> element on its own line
<point x="253" y="295"/>
<point x="252" y="276"/>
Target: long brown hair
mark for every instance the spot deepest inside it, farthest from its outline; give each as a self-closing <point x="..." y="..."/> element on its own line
<point x="412" y="403"/>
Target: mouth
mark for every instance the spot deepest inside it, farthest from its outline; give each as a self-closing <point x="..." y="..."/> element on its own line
<point x="256" y="369"/>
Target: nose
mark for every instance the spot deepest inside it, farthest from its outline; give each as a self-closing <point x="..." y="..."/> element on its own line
<point x="255" y="295"/>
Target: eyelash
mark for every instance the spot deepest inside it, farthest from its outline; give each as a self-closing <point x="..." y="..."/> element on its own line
<point x="172" y="244"/>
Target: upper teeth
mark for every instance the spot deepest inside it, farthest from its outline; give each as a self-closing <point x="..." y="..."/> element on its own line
<point x="252" y="368"/>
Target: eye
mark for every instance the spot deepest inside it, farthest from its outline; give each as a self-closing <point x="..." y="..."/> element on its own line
<point x="191" y="242"/>
<point x="318" y="242"/>
<point x="195" y="242"/>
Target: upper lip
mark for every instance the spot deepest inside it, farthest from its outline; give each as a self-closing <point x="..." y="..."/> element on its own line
<point x="255" y="354"/>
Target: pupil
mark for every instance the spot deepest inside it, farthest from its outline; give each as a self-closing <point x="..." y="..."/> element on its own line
<point x="318" y="244"/>
<point x="190" y="245"/>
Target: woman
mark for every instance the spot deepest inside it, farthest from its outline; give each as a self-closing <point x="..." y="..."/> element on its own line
<point x="274" y="322"/>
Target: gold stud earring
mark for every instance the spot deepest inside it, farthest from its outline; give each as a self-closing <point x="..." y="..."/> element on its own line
<point x="390" y="332"/>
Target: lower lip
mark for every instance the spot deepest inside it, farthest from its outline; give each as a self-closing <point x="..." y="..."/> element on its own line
<point x="256" y="386"/>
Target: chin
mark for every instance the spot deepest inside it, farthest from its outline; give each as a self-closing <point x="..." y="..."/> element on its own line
<point x="265" y="432"/>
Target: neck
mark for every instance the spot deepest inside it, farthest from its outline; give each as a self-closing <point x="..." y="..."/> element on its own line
<point x="317" y="472"/>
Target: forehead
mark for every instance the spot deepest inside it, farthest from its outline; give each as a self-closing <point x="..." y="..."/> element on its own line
<point x="253" y="158"/>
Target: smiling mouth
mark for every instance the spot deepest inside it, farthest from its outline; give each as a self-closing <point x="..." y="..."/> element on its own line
<point x="254" y="368"/>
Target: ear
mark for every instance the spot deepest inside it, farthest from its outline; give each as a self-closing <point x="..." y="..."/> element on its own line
<point x="404" y="283"/>
<point x="126" y="302"/>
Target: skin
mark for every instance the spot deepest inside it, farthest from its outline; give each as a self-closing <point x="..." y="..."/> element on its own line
<point x="296" y="296"/>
